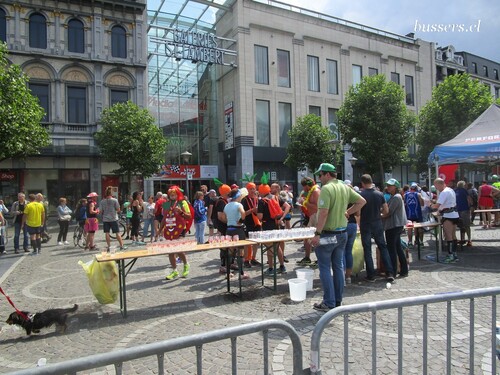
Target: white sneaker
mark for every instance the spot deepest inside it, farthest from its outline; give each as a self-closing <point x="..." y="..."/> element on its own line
<point x="60" y="243"/>
<point x="66" y="242"/>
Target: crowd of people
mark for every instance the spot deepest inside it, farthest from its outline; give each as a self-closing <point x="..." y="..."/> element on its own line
<point x="338" y="210"/>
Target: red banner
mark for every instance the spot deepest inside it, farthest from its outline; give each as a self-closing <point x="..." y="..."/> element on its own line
<point x="172" y="171"/>
<point x="447" y="172"/>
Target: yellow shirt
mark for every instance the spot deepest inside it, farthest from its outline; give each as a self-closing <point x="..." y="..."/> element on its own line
<point x="34" y="212"/>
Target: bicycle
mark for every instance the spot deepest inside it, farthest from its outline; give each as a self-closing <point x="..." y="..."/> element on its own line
<point x="122" y="227"/>
<point x="79" y="237"/>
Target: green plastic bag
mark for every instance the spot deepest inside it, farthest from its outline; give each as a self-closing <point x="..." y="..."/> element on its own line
<point x="103" y="280"/>
<point x="358" y="255"/>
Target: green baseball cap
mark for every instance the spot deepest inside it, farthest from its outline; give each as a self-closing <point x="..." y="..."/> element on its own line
<point x="393" y="182"/>
<point x="325" y="167"/>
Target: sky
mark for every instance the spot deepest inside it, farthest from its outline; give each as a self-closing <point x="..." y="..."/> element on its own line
<point x="479" y="17"/>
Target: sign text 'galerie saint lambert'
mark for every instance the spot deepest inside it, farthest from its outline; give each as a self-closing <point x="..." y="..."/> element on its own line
<point x="193" y="45"/>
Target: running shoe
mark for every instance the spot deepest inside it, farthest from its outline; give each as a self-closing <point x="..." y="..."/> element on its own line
<point x="172" y="275"/>
<point x="304" y="261"/>
<point x="185" y="271"/>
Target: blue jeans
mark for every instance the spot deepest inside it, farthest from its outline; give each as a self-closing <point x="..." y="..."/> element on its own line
<point x="376" y="230"/>
<point x="352" y="229"/>
<point x="146" y="225"/>
<point x="331" y="256"/>
<point x="200" y="232"/>
<point x="17" y="233"/>
<point x="396" y="252"/>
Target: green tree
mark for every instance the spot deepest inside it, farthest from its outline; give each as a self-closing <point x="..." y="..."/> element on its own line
<point x="21" y="133"/>
<point x="375" y="122"/>
<point x="454" y="105"/>
<point x="308" y="145"/>
<point x="130" y="138"/>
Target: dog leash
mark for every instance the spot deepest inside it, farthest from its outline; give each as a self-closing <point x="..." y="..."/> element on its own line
<point x="23" y="315"/>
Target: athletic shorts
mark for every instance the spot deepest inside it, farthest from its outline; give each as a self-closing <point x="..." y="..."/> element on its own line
<point x="34" y="230"/>
<point x="113" y="225"/>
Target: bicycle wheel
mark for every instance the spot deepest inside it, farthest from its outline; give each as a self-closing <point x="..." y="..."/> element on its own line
<point x="122" y="229"/>
<point x="79" y="237"/>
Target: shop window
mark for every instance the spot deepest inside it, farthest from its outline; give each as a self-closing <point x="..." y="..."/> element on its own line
<point x="76" y="37"/>
<point x="37" y="31"/>
<point x="118" y="42"/>
<point x="77" y="105"/>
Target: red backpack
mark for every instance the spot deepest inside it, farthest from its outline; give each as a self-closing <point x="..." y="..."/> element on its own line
<point x="275" y="211"/>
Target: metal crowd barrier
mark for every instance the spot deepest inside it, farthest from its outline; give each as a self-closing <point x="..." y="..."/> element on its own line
<point x="158" y="349"/>
<point x="399" y="304"/>
<point x="117" y="358"/>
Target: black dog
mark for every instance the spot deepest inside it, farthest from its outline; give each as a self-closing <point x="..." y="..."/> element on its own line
<point x="36" y="322"/>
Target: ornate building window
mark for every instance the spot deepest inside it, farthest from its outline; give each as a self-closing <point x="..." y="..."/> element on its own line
<point x="3" y="25"/>
<point x="77" y="104"/>
<point x="41" y="91"/>
<point x="118" y="42"/>
<point x="37" y="31"/>
<point x="118" y="96"/>
<point x="76" y="36"/>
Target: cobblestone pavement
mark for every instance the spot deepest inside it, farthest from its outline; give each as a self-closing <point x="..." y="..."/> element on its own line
<point x="160" y="309"/>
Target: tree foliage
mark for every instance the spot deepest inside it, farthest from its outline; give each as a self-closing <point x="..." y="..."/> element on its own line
<point x="21" y="133"/>
<point x="308" y="145"/>
<point x="130" y="138"/>
<point x="374" y="120"/>
<point x="454" y="105"/>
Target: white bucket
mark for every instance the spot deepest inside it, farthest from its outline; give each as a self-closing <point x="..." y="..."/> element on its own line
<point x="307" y="274"/>
<point x="297" y="289"/>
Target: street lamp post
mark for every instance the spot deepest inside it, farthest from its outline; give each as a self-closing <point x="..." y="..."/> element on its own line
<point x="186" y="156"/>
<point x="352" y="160"/>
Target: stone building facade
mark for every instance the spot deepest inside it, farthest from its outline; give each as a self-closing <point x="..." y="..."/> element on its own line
<point x="292" y="62"/>
<point x="81" y="57"/>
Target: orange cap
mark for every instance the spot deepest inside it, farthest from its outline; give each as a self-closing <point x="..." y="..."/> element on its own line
<point x="224" y="189"/>
<point x="264" y="189"/>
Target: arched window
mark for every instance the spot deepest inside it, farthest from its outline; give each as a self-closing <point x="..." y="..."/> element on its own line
<point x="118" y="42"/>
<point x="3" y="26"/>
<point x="38" y="31"/>
<point x="76" y="37"/>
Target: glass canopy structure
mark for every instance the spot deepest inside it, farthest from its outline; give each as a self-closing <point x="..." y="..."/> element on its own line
<point x="182" y="92"/>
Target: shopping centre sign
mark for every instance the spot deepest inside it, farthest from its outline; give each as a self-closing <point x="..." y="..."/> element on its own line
<point x="196" y="46"/>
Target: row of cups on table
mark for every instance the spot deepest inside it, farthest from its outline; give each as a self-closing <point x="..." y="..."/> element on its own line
<point x="282" y="234"/>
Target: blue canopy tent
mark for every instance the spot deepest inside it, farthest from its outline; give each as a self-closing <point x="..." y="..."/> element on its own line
<point x="478" y="143"/>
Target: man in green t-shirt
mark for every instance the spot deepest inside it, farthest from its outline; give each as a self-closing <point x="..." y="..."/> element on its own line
<point x="330" y="237"/>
